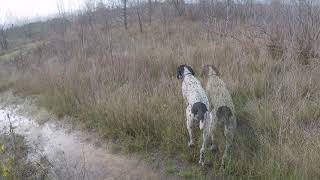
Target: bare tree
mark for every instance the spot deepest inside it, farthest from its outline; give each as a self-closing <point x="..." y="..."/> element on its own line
<point x="3" y="37"/>
<point x="125" y="21"/>
<point x="150" y="11"/>
<point x="228" y="13"/>
<point x="27" y="29"/>
<point x="139" y="12"/>
<point x="89" y="9"/>
<point x="63" y="18"/>
<point x="179" y="6"/>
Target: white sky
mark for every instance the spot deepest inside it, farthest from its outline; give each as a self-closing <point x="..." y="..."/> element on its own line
<point x="13" y="10"/>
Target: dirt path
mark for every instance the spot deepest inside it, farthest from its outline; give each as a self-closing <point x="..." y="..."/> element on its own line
<point x="69" y="152"/>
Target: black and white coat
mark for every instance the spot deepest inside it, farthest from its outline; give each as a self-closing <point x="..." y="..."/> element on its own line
<point x="198" y="108"/>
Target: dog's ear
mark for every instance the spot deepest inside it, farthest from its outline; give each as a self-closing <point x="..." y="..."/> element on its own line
<point x="180" y="71"/>
<point x="211" y="67"/>
<point x="191" y="70"/>
<point x="204" y="71"/>
<point x="215" y="69"/>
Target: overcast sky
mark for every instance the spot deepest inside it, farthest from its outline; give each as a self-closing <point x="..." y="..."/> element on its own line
<point x="12" y="10"/>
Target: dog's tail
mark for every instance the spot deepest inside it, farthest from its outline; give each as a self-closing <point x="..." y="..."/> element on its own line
<point x="207" y="117"/>
<point x="224" y="114"/>
<point x="200" y="110"/>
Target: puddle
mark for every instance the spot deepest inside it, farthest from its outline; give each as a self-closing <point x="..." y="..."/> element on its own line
<point x="68" y="151"/>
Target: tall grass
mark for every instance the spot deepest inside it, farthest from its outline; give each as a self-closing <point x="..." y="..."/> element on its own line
<point x="122" y="83"/>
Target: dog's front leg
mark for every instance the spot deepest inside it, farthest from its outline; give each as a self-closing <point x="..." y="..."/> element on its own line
<point x="189" y="125"/>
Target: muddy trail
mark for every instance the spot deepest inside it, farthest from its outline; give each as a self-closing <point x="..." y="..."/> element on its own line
<point x="72" y="154"/>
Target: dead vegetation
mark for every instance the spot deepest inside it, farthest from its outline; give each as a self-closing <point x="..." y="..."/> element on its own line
<point x="122" y="82"/>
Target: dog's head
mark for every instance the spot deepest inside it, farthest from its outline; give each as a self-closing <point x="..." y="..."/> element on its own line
<point x="209" y="69"/>
<point x="183" y="70"/>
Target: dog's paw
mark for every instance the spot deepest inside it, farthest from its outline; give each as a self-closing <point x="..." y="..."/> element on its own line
<point x="214" y="148"/>
<point x="201" y="162"/>
<point x="222" y="169"/>
<point x="191" y="144"/>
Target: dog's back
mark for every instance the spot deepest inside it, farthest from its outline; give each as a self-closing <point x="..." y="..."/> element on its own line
<point x="218" y="93"/>
<point x="192" y="90"/>
<point x="220" y="98"/>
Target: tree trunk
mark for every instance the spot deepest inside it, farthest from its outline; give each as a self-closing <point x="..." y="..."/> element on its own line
<point x="139" y="21"/>
<point x="180" y="6"/>
<point x="150" y="9"/>
<point x="125" y="14"/>
<point x="3" y="39"/>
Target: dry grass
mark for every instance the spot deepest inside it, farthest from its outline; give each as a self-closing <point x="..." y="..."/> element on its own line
<point x="122" y="83"/>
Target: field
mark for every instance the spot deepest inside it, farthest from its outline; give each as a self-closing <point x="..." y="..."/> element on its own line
<point x="122" y="82"/>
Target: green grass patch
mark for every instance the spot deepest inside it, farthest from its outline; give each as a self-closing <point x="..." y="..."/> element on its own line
<point x="5" y="85"/>
<point x="14" y="163"/>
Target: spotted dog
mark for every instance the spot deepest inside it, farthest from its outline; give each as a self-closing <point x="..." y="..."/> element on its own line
<point x="197" y="106"/>
<point x="220" y="98"/>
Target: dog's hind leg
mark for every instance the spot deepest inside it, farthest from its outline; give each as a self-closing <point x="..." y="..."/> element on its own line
<point x="225" y="115"/>
<point x="229" y="134"/>
<point x="214" y="146"/>
<point x="204" y="145"/>
<point x="190" y="125"/>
